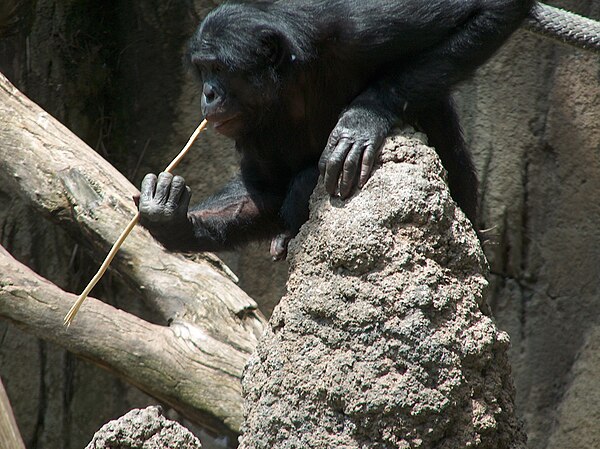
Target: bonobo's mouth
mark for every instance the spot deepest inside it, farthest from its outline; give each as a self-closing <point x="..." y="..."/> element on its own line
<point x="225" y="125"/>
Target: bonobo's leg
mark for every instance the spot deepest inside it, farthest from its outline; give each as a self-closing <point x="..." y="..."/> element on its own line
<point x="294" y="210"/>
<point x="235" y="215"/>
<point x="441" y="124"/>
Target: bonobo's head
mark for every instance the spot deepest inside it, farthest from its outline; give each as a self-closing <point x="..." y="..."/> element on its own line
<point x="243" y="56"/>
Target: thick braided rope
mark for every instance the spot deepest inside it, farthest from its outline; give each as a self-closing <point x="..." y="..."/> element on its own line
<point x="565" y="26"/>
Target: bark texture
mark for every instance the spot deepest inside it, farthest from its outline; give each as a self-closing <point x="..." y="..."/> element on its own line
<point x="384" y="338"/>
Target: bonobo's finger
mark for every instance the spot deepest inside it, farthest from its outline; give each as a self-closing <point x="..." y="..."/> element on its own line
<point x="350" y="171"/>
<point x="136" y="199"/>
<point x="163" y="186"/>
<point x="331" y="144"/>
<point x="147" y="188"/>
<point x="323" y="163"/>
<point x="335" y="165"/>
<point x="184" y="201"/>
<point x="177" y="188"/>
<point x="368" y="160"/>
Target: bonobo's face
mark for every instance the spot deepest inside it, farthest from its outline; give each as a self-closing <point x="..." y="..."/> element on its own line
<point x="239" y="63"/>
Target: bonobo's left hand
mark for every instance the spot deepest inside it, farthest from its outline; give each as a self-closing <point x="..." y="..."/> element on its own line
<point x="351" y="150"/>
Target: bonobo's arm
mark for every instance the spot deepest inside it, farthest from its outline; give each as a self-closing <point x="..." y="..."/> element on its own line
<point x="233" y="216"/>
<point x="418" y="82"/>
<point x="411" y="86"/>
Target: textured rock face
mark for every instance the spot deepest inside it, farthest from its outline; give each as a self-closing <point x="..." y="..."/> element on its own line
<point x="143" y="429"/>
<point x="532" y="120"/>
<point x="383" y="339"/>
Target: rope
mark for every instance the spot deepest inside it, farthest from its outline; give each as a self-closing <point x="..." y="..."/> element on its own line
<point x="564" y="26"/>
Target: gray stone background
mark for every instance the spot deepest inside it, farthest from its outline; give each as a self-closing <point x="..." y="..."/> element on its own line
<point x="112" y="72"/>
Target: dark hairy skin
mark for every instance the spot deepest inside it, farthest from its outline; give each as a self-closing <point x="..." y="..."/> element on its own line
<point x="309" y="87"/>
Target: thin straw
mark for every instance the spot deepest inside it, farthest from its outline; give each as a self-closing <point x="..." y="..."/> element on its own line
<point x="115" y="248"/>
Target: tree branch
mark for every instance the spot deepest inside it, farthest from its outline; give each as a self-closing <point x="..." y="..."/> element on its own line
<point x="180" y="365"/>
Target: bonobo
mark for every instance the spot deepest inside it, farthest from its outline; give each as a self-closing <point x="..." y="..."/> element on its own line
<point x="309" y="86"/>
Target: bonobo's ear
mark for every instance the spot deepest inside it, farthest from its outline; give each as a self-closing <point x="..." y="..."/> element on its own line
<point x="273" y="47"/>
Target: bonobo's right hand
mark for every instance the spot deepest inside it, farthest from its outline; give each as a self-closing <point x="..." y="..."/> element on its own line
<point x="163" y="202"/>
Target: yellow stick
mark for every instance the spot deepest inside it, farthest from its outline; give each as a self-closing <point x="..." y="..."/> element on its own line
<point x="113" y="251"/>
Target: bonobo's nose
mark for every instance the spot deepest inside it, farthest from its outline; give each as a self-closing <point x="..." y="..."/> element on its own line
<point x="212" y="99"/>
<point x="209" y="93"/>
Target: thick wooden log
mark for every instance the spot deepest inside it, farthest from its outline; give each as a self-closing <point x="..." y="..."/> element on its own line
<point x="181" y="365"/>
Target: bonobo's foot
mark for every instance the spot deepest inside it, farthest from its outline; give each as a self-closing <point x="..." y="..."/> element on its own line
<point x="279" y="245"/>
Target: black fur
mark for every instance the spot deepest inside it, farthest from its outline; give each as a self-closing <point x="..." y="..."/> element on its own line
<point x="301" y="84"/>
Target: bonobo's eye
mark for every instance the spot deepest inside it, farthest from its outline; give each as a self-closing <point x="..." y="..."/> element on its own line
<point x="271" y="48"/>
